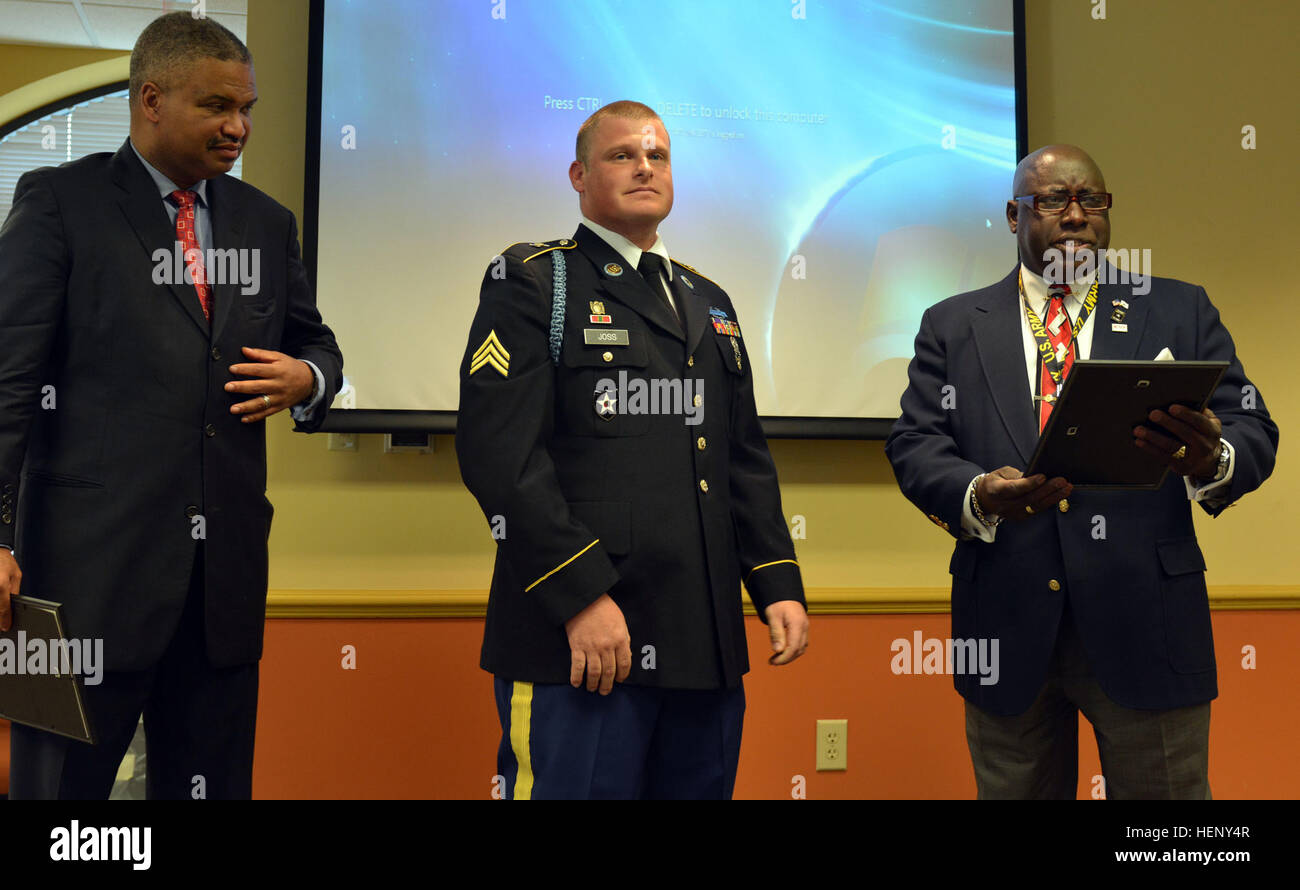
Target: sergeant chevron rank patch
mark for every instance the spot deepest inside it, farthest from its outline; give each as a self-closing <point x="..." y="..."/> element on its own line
<point x="491" y="353"/>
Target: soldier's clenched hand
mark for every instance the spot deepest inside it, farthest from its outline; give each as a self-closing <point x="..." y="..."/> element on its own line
<point x="787" y="623"/>
<point x="599" y="646"/>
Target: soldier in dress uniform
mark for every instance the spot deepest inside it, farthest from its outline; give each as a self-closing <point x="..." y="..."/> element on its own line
<point x="608" y="429"/>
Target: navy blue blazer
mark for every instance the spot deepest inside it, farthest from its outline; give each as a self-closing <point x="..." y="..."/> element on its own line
<point x="115" y="429"/>
<point x="1138" y="595"/>
<point x="667" y="518"/>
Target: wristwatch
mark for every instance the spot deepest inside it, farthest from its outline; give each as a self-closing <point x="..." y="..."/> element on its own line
<point x="1222" y="469"/>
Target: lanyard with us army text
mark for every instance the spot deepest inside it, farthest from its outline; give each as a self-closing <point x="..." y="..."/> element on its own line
<point x="1055" y="365"/>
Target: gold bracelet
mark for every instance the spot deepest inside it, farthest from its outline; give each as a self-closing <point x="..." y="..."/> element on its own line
<point x="975" y="505"/>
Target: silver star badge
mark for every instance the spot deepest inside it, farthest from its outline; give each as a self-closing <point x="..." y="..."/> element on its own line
<point x="606" y="404"/>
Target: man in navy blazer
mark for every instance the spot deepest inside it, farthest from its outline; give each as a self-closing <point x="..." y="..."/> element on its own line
<point x="132" y="447"/>
<point x="1116" y="625"/>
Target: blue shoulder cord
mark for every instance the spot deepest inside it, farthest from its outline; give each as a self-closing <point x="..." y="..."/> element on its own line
<point x="557" y="306"/>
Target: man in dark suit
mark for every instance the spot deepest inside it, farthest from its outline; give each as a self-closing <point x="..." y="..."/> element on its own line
<point x="1116" y="625"/>
<point x="608" y="429"/>
<point x="129" y="284"/>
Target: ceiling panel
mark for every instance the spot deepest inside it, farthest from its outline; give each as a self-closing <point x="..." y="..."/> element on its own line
<point x="107" y="24"/>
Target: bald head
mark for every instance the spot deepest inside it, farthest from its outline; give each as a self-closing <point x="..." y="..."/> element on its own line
<point x="1040" y="163"/>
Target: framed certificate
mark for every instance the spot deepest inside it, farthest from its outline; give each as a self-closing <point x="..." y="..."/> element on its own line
<point x="40" y="684"/>
<point x="1089" y="436"/>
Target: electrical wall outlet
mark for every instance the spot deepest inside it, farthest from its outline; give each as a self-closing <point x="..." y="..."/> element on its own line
<point x="416" y="443"/>
<point x="832" y="745"/>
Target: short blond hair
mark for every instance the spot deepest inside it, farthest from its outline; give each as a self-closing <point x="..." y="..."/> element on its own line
<point x="624" y="108"/>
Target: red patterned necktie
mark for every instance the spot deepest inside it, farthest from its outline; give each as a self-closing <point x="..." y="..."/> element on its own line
<point x="1058" y="321"/>
<point x="188" y="238"/>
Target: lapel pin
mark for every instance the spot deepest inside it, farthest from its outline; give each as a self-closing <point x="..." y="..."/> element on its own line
<point x="613" y="269"/>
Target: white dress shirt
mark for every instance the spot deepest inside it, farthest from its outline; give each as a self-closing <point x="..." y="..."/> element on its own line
<point x="632" y="254"/>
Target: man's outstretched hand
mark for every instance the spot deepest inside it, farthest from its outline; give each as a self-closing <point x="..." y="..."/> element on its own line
<point x="1006" y="492"/>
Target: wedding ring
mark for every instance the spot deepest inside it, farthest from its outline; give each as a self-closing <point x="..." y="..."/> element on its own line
<point x="1180" y="453"/>
<point x="266" y="400"/>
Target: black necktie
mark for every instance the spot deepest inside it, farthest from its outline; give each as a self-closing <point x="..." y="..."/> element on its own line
<point x="651" y="268"/>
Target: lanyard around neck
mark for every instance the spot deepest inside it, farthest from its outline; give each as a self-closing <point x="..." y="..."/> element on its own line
<point x="1046" y="351"/>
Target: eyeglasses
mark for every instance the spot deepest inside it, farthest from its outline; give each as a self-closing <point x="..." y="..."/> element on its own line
<point x="1093" y="202"/>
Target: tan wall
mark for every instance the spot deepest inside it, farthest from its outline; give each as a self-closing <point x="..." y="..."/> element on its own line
<point x="22" y="64"/>
<point x="1158" y="92"/>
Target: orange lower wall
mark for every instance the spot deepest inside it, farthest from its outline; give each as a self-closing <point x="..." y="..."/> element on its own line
<point x="416" y="718"/>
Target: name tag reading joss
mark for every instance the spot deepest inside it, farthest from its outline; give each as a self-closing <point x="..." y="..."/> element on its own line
<point x="605" y="337"/>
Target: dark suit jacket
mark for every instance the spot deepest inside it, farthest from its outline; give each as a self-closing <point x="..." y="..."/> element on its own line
<point x="1139" y="595"/>
<point x="618" y="505"/>
<point x="111" y="389"/>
